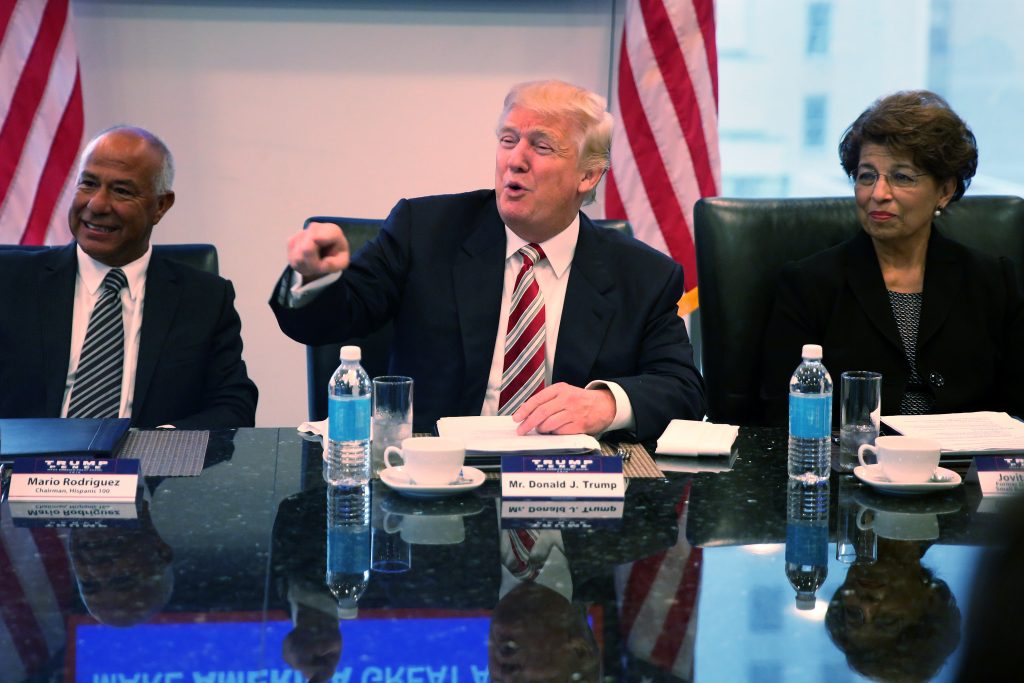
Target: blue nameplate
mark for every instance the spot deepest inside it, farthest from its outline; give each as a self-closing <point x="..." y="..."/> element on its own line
<point x="70" y="515"/>
<point x="562" y="476"/>
<point x="997" y="475"/>
<point x="520" y="513"/>
<point x="58" y="478"/>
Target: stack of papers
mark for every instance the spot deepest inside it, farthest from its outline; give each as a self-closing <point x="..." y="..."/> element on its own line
<point x="497" y="434"/>
<point x="695" y="438"/>
<point x="964" y="433"/>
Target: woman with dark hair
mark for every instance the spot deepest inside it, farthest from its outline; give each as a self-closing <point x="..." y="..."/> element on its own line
<point x="894" y="620"/>
<point x="944" y="324"/>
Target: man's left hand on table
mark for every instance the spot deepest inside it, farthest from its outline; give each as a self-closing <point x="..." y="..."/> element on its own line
<point x="564" y="409"/>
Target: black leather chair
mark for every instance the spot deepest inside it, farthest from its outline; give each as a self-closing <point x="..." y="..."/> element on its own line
<point x="201" y="256"/>
<point x="321" y="361"/>
<point x="742" y="245"/>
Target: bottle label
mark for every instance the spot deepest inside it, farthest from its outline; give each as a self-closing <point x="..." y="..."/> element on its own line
<point x="348" y="551"/>
<point x="349" y="418"/>
<point x="810" y="416"/>
<point x="807" y="544"/>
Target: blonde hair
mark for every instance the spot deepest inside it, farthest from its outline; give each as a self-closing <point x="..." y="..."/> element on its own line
<point x="586" y="110"/>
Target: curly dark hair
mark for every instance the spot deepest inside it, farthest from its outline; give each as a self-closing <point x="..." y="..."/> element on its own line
<point x="921" y="125"/>
<point x="916" y="651"/>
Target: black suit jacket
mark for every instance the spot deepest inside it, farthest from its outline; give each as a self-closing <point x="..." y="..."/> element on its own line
<point x="970" y="345"/>
<point x="190" y="371"/>
<point x="436" y="270"/>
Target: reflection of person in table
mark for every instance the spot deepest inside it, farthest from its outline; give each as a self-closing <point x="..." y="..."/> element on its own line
<point x="124" y="574"/>
<point x="538" y="635"/>
<point x="298" y="562"/>
<point x="893" y="619"/>
<point x="551" y="579"/>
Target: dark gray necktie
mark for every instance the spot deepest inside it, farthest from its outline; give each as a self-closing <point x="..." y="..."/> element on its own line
<point x="97" y="388"/>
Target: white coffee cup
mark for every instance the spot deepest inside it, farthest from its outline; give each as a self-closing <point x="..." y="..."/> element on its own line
<point x="899" y="526"/>
<point x="904" y="459"/>
<point x="429" y="460"/>
<point x="427" y="529"/>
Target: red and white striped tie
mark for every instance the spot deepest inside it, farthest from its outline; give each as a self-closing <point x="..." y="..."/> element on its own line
<point x="521" y="542"/>
<point x="523" y="373"/>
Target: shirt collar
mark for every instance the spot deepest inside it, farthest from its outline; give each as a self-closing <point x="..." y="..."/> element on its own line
<point x="92" y="272"/>
<point x="558" y="249"/>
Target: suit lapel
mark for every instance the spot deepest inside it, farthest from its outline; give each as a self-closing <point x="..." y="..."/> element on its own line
<point x="56" y="292"/>
<point x="865" y="279"/>
<point x="587" y="312"/>
<point x="943" y="278"/>
<point x="477" y="274"/>
<point x="163" y="293"/>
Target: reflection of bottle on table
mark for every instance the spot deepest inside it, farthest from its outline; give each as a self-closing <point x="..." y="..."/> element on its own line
<point x="348" y="546"/>
<point x="807" y="540"/>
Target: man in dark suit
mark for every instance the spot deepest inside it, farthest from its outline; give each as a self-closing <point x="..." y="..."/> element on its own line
<point x="182" y="348"/>
<point x="447" y="271"/>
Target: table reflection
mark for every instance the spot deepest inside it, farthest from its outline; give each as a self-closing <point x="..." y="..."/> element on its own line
<point x="124" y="574"/>
<point x="894" y="619"/>
<point x="229" y="576"/>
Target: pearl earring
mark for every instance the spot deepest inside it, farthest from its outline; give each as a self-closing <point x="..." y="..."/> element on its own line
<point x="938" y="211"/>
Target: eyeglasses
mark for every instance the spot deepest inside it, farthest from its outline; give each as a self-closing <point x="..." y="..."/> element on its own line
<point x="898" y="179"/>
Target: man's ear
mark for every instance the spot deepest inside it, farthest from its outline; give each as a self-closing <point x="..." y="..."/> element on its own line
<point x="163" y="203"/>
<point x="590" y="180"/>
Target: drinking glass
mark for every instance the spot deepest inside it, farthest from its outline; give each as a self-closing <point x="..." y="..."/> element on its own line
<point x="392" y="416"/>
<point x="854" y="545"/>
<point x="860" y="410"/>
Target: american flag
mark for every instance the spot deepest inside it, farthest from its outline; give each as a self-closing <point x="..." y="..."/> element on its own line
<point x="665" y="143"/>
<point x="41" y="120"/>
<point x="38" y="592"/>
<point x="658" y="598"/>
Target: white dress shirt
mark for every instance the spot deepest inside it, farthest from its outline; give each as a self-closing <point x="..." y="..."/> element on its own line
<point x="552" y="276"/>
<point x="549" y="552"/>
<point x="87" y="292"/>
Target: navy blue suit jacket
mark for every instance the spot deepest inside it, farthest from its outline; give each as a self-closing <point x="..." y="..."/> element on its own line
<point x="969" y="340"/>
<point x="190" y="371"/>
<point x="436" y="271"/>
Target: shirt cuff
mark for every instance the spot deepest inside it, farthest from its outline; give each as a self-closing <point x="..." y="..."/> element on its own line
<point x="300" y="294"/>
<point x="623" y="408"/>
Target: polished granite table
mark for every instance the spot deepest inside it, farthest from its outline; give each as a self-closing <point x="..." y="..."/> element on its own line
<point x="707" y="576"/>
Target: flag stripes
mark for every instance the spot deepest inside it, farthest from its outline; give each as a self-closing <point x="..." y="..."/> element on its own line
<point x="43" y="119"/>
<point x="665" y="146"/>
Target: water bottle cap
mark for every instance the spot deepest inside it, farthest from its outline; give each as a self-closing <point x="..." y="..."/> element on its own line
<point x="805" y="601"/>
<point x="351" y="353"/>
<point x="811" y="351"/>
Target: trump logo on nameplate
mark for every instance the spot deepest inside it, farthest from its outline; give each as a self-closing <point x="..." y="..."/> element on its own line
<point x="74" y="478"/>
<point x="562" y="476"/>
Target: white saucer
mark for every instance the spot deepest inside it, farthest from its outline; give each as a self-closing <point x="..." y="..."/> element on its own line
<point x="872" y="476"/>
<point x="396" y="478"/>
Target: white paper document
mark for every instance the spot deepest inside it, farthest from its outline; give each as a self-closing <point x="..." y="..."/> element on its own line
<point x="496" y="434"/>
<point x="981" y="432"/>
<point x="693" y="437"/>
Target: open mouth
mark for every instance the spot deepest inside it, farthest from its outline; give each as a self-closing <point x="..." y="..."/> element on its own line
<point x="98" y="228"/>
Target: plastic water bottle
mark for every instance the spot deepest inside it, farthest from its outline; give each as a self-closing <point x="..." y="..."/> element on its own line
<point x="348" y="546"/>
<point x="806" y="540"/>
<point x="810" y="418"/>
<point x="347" y="456"/>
